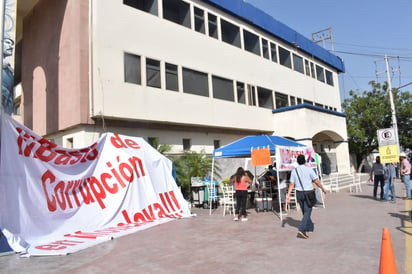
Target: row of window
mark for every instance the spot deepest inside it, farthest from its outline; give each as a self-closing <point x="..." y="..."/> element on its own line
<point x="197" y="83"/>
<point x="186" y="143"/>
<point x="179" y="12"/>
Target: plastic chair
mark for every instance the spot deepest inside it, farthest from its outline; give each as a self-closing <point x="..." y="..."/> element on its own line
<point x="334" y="182"/>
<point x="293" y="200"/>
<point x="356" y="183"/>
<point x="228" y="200"/>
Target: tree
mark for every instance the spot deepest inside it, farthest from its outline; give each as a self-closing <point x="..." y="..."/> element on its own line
<point x="190" y="164"/>
<point x="193" y="164"/>
<point x="370" y="111"/>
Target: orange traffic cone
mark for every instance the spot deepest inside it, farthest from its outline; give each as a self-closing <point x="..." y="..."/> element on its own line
<point x="387" y="263"/>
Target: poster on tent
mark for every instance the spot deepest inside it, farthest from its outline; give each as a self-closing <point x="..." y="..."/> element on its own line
<point x="55" y="201"/>
<point x="286" y="157"/>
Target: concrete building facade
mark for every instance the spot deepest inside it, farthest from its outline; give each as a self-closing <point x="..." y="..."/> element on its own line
<point x="194" y="74"/>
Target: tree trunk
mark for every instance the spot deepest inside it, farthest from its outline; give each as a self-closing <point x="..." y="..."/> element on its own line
<point x="361" y="165"/>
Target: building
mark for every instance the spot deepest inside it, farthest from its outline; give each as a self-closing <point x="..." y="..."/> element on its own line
<point x="195" y="74"/>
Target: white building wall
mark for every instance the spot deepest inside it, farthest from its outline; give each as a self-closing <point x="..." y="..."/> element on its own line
<point x="118" y="28"/>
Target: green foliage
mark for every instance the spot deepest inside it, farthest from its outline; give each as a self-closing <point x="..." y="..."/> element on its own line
<point x="190" y="164"/>
<point x="193" y="164"/>
<point x="370" y="111"/>
<point x="162" y="148"/>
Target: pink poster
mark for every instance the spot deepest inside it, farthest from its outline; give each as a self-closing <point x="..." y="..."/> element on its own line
<point x="286" y="157"/>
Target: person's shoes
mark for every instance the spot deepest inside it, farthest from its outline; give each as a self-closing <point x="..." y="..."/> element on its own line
<point x="302" y="235"/>
<point x="244" y="219"/>
<point x="406" y="198"/>
<point x="236" y="219"/>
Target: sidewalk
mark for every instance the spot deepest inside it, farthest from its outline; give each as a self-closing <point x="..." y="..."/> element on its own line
<point x="347" y="239"/>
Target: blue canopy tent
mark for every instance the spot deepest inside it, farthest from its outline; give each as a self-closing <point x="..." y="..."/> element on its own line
<point x="242" y="149"/>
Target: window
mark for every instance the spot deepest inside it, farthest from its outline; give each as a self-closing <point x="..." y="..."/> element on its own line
<point x="240" y="88"/>
<point x="265" y="48"/>
<point x="199" y="20"/>
<point x="320" y="73"/>
<point x="308" y="102"/>
<point x="329" y="77"/>
<point x="251" y="95"/>
<point x="265" y="99"/>
<point x="216" y="144"/>
<point x="230" y="33"/>
<point x="171" y="77"/>
<point x="319" y="105"/>
<point x="281" y="100"/>
<point x="251" y="42"/>
<point x="292" y="100"/>
<point x="307" y="67"/>
<point x="273" y="52"/>
<point x="177" y="11"/>
<point x="149" y="6"/>
<point x="212" y="24"/>
<point x="195" y="82"/>
<point x="299" y="101"/>
<point x="222" y="88"/>
<point x="186" y="144"/>
<point x="298" y="63"/>
<point x="312" y="70"/>
<point x="132" y="71"/>
<point x="69" y="142"/>
<point x="153" y="73"/>
<point x="284" y="57"/>
<point x="17" y="108"/>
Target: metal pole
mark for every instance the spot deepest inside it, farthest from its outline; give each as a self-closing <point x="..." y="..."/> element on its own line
<point x="394" y="123"/>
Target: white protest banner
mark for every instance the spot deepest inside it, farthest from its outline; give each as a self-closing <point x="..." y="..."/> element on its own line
<point x="55" y="200"/>
<point x="286" y="157"/>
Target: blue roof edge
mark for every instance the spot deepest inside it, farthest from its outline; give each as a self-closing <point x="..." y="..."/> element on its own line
<point x="264" y="21"/>
<point x="309" y="106"/>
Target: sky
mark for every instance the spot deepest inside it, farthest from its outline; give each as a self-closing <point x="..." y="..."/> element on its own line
<point x="363" y="31"/>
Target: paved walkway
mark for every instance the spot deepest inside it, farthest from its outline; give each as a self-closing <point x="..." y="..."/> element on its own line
<point x="347" y="239"/>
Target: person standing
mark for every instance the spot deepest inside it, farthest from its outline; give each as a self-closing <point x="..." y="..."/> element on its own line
<point x="303" y="176"/>
<point x="390" y="176"/>
<point x="242" y="182"/>
<point x="406" y="175"/>
<point x="377" y="177"/>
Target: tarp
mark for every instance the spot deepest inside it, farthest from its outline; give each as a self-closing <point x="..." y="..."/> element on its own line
<point x="55" y="201"/>
<point x="242" y="147"/>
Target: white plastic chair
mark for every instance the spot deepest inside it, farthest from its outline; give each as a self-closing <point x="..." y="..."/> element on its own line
<point x="355" y="186"/>
<point x="228" y="200"/>
<point x="334" y="182"/>
<point x="292" y="200"/>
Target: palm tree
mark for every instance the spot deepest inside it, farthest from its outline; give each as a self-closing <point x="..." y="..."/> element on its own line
<point x="190" y="164"/>
<point x="193" y="164"/>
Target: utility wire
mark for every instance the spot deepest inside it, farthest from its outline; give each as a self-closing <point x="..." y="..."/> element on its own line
<point x="406" y="58"/>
